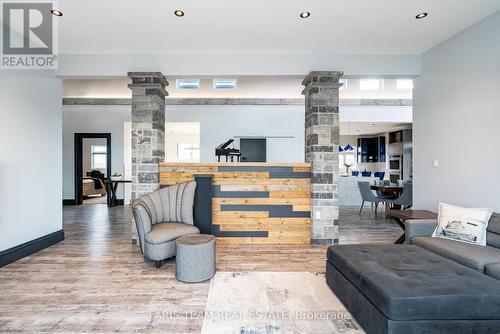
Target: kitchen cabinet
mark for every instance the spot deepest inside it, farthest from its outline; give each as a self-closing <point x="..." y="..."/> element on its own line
<point x="371" y="149"/>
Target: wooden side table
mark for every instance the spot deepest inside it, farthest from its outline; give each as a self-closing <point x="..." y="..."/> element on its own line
<point x="400" y="216"/>
<point x="111" y="186"/>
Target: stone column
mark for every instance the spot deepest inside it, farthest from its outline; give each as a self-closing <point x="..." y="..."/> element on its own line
<point x="321" y="150"/>
<point x="148" y="132"/>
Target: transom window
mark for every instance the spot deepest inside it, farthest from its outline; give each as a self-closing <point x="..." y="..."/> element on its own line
<point x="188" y="83"/>
<point x="225" y="83"/>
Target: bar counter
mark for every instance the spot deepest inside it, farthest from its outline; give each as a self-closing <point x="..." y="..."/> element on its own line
<point x="253" y="203"/>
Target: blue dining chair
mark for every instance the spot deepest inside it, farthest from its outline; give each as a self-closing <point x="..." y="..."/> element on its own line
<point x="366" y="173"/>
<point x="368" y="196"/>
<point x="355" y="173"/>
<point x="380" y="175"/>
<point x="405" y="200"/>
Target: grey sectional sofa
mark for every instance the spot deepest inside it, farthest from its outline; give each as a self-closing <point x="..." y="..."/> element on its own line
<point x="428" y="285"/>
<point x="483" y="259"/>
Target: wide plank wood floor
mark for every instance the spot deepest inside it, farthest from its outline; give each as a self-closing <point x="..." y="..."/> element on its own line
<point x="366" y="228"/>
<point x="97" y="281"/>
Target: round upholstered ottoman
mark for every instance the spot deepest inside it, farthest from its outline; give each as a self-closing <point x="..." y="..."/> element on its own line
<point x="195" y="257"/>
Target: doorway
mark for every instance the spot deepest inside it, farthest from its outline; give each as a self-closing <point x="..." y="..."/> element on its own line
<point x="182" y="141"/>
<point x="92" y="167"/>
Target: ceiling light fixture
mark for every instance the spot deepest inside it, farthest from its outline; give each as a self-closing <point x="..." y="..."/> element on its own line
<point x="179" y="13"/>
<point x="348" y="147"/>
<point x="305" y="15"/>
<point x="421" y="15"/>
<point x="56" y="12"/>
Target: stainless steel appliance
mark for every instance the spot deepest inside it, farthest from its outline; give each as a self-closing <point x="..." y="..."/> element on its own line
<point x="395" y="171"/>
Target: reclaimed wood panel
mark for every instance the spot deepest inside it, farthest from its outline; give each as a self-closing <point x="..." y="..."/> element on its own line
<point x="239" y="214"/>
<point x="259" y="220"/>
<point x="263" y="241"/>
<point x="222" y="181"/>
<point x="269" y="187"/>
<point x="263" y="201"/>
<point x="185" y="165"/>
<point x="253" y="203"/>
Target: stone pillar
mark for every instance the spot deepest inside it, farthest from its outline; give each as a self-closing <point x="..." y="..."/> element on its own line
<point x="148" y="132"/>
<point x="321" y="150"/>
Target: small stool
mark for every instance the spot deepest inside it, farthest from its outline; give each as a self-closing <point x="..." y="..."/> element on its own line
<point x="195" y="258"/>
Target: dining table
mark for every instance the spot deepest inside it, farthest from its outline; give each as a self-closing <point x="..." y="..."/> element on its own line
<point x="388" y="189"/>
<point x="391" y="190"/>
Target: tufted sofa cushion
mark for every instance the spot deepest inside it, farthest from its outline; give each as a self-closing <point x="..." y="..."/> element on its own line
<point x="407" y="282"/>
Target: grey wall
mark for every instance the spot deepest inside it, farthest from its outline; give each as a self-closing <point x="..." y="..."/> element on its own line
<point x="219" y="123"/>
<point x="30" y="159"/>
<point x="456" y="120"/>
<point x="92" y="119"/>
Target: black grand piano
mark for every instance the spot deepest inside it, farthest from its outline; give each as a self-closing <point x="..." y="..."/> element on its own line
<point x="229" y="153"/>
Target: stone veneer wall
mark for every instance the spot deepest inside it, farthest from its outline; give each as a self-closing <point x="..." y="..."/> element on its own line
<point x="148" y="132"/>
<point x="321" y="150"/>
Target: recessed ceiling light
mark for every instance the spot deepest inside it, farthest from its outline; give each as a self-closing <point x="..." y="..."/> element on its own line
<point x="421" y="15"/>
<point x="56" y="12"/>
<point x="305" y="15"/>
<point x="179" y="13"/>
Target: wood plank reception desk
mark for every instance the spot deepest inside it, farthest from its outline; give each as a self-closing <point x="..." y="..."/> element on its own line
<point x="253" y="203"/>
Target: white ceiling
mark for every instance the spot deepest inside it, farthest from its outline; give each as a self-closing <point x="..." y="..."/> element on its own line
<point x="264" y="26"/>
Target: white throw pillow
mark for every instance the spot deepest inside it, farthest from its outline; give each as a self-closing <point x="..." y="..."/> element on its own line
<point x="462" y="224"/>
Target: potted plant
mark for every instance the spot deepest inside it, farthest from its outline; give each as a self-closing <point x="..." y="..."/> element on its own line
<point x="116" y="176"/>
<point x="347" y="166"/>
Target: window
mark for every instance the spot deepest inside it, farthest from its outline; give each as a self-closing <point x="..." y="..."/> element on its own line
<point x="225" y="83"/>
<point x="99" y="156"/>
<point x="188" y="152"/>
<point x="371" y="84"/>
<point x="404" y="84"/>
<point x="188" y="83"/>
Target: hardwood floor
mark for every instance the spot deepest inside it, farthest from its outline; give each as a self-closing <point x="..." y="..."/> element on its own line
<point x="366" y="228"/>
<point x="95" y="200"/>
<point x="96" y="281"/>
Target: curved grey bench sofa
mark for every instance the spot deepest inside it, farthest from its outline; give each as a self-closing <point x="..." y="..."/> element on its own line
<point x="427" y="286"/>
<point x="163" y="216"/>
